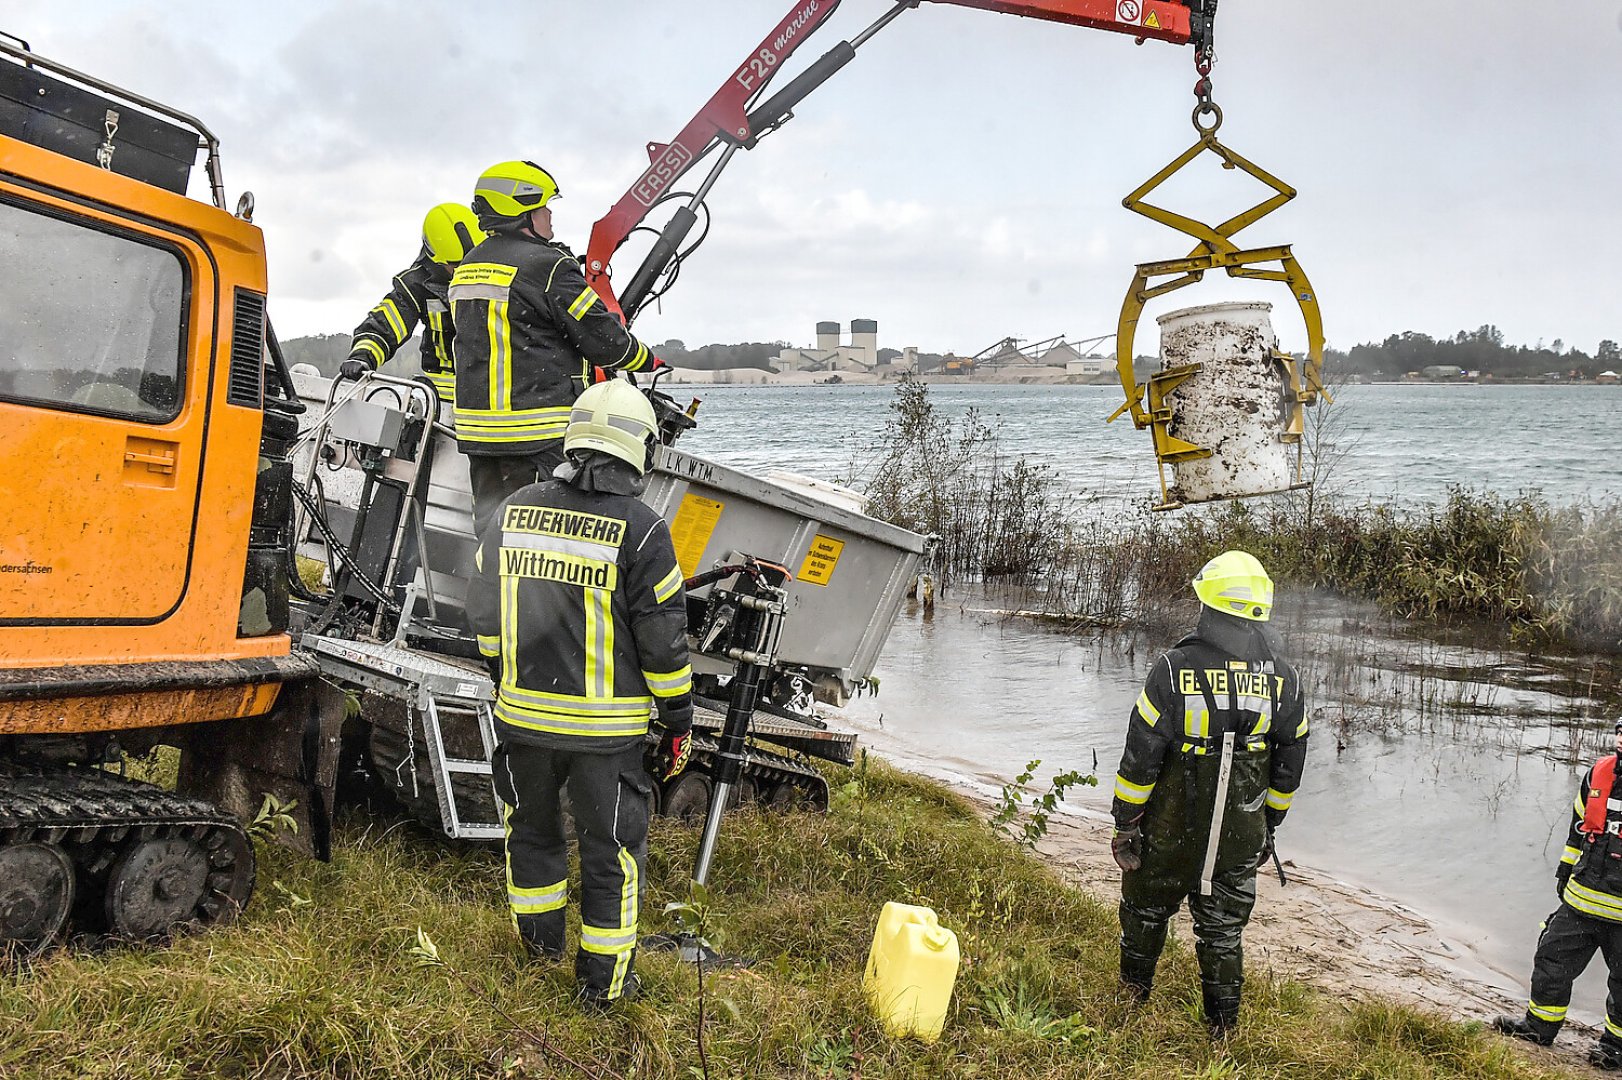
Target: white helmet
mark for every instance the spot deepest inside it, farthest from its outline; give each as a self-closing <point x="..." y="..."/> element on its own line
<point x="615" y="418"/>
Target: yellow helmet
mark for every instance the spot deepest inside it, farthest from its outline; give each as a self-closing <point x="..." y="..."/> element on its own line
<point x="615" y="418"/>
<point x="1235" y="583"/>
<point x="511" y="190"/>
<point x="449" y="232"/>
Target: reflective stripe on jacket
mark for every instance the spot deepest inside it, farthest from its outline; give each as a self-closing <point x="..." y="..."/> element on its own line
<point x="419" y="293"/>
<point x="528" y="331"/>
<point x="581" y="598"/>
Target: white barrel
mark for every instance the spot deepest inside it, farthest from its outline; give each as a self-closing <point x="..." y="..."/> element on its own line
<point x="1234" y="406"/>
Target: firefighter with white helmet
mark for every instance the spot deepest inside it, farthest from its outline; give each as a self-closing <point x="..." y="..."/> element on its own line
<point x="579" y="608"/>
<point x="419" y="293"/>
<point x="1215" y="748"/>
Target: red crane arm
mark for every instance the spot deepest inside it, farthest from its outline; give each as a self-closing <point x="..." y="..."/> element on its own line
<point x="1165" y="20"/>
<point x="726" y="118"/>
<point x="722" y="116"/>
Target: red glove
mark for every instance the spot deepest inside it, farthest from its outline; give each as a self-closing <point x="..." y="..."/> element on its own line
<point x="657" y="364"/>
<point x="675" y="748"/>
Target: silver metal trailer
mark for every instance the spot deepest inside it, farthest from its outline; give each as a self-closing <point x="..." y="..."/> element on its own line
<point x="370" y="454"/>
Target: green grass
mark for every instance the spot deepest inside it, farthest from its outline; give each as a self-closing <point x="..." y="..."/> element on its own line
<point x="317" y="978"/>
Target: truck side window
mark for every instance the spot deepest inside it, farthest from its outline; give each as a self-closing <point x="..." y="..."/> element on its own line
<point x="90" y="320"/>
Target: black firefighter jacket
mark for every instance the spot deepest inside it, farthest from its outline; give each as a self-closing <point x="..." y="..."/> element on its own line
<point x="528" y="330"/>
<point x="581" y="598"/>
<point x="1215" y="747"/>
<point x="419" y="293"/>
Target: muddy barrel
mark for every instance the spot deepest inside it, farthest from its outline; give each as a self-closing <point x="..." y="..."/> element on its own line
<point x="1234" y="406"/>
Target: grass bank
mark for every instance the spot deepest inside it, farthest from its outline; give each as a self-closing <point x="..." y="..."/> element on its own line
<point x="318" y="979"/>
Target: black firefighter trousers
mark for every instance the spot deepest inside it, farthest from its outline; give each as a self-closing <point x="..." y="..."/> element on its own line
<point x="493" y="479"/>
<point x="610" y="797"/>
<point x="1566" y="945"/>
<point x="1150" y="896"/>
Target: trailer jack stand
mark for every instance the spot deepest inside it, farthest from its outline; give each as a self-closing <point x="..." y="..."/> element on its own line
<point x="747" y="610"/>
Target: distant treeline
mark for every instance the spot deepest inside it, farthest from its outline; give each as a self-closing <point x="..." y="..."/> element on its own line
<point x="1480" y="350"/>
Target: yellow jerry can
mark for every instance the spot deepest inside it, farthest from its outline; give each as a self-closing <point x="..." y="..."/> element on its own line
<point x="911" y="969"/>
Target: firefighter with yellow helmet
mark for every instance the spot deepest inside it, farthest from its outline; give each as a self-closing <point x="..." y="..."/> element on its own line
<point x="419" y="293"/>
<point x="528" y="332"/>
<point x="579" y="608"/>
<point x="1215" y="747"/>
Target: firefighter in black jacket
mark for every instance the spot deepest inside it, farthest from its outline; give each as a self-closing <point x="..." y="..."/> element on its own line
<point x="528" y="332"/>
<point x="1214" y="751"/>
<point x="419" y="293"/>
<point x="1589" y="883"/>
<point x="580" y="609"/>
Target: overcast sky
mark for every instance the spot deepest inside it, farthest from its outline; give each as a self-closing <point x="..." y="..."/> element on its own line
<point x="960" y="181"/>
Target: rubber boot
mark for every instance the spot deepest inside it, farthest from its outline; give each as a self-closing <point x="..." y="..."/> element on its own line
<point x="1606" y="1055"/>
<point x="542" y="935"/>
<point x="593" y="1001"/>
<point x="1137" y="979"/>
<point x="1526" y="1027"/>
<point x="1221" y="1015"/>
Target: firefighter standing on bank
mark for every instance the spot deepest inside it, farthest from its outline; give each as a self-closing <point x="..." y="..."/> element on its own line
<point x="579" y="606"/>
<point x="1588" y="881"/>
<point x="528" y="332"/>
<point x="1214" y="752"/>
<point x="419" y="293"/>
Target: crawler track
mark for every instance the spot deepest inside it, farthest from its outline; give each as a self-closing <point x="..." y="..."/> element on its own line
<point x="111" y="856"/>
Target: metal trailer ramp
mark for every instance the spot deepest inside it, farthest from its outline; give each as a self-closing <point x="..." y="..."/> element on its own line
<point x="447" y="701"/>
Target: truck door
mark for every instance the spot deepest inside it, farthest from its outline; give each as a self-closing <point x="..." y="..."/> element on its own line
<point x="105" y="344"/>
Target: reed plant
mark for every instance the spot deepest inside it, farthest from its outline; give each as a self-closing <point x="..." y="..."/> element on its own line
<point x="1546" y="573"/>
<point x="995" y="518"/>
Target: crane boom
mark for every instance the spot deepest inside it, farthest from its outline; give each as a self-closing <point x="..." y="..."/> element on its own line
<point x="728" y="119"/>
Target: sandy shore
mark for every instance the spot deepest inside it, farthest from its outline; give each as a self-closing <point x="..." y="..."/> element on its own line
<point x="1344" y="939"/>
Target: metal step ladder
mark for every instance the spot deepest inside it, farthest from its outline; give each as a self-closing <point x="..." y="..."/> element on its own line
<point x="443" y="697"/>
<point x="431" y="708"/>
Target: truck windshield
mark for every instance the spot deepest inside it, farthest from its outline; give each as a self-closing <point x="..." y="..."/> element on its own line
<point x="90" y="320"/>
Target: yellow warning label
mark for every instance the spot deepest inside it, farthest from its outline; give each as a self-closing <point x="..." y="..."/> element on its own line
<point x="821" y="559"/>
<point x="690" y="532"/>
<point x="1152" y="22"/>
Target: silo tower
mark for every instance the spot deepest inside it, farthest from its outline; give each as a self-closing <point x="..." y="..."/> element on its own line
<point x="827" y="336"/>
<point x="864" y="338"/>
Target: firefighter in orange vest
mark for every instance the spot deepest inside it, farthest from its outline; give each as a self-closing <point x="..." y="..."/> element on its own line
<point x="1589" y="881"/>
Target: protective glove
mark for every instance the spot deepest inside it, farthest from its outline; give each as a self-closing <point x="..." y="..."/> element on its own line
<point x="1562" y="874"/>
<point x="657" y="365"/>
<point x="1267" y="849"/>
<point x="353" y="368"/>
<point x="492" y="664"/>
<point x="1126" y="844"/>
<point x="675" y="748"/>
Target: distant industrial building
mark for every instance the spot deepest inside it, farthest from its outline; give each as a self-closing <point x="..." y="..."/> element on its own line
<point x="861" y="355"/>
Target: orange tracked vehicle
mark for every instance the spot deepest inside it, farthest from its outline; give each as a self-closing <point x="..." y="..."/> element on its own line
<point x="143" y="592"/>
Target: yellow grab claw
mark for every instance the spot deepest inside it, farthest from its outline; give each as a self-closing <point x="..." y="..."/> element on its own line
<point x="1215" y="250"/>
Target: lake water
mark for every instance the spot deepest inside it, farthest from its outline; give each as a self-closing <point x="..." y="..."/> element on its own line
<point x="1441" y="773"/>
<point x="1410" y="442"/>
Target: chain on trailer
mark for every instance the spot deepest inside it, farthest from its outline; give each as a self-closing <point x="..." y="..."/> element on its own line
<point x="1153" y="404"/>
